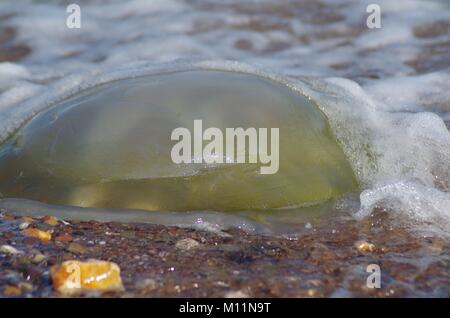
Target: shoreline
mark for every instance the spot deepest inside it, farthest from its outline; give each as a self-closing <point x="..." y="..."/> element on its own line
<point x="160" y="261"/>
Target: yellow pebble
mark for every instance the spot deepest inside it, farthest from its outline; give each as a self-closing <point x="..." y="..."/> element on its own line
<point x="12" y="291"/>
<point x="42" y="235"/>
<point x="50" y="220"/>
<point x="75" y="277"/>
<point x="365" y="247"/>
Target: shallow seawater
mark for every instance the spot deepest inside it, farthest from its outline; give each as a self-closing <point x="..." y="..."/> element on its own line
<point x="384" y="92"/>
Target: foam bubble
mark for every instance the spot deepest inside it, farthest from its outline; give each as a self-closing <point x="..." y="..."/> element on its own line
<point x="424" y="208"/>
<point x="398" y="156"/>
<point x="428" y="92"/>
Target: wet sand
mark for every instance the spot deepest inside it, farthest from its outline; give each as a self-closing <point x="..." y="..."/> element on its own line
<point x="156" y="261"/>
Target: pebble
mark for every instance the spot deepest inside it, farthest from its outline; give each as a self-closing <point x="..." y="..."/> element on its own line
<point x="12" y="291"/>
<point x="27" y="287"/>
<point x="77" y="248"/>
<point x="27" y="219"/>
<point x="236" y="294"/>
<point x="148" y="284"/>
<point x="64" y="238"/>
<point x="187" y="244"/>
<point x="50" y="220"/>
<point x="24" y="225"/>
<point x="365" y="247"/>
<point x="8" y="249"/>
<point x="221" y="284"/>
<point x="36" y="259"/>
<point x="73" y="278"/>
<point x="42" y="235"/>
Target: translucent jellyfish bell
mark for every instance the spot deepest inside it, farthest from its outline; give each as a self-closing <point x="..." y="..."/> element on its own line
<point x="110" y="147"/>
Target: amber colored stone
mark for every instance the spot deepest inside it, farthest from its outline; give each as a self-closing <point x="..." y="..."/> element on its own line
<point x="39" y="234"/>
<point x="365" y="247"/>
<point x="64" y="238"/>
<point x="12" y="291"/>
<point x="50" y="220"/>
<point x="76" y="277"/>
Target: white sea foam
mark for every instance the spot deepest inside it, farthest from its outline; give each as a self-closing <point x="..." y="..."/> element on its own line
<point x="424" y="207"/>
<point x="429" y="92"/>
<point x="390" y="127"/>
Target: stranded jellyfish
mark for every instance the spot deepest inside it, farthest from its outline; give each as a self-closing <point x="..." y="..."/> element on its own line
<point x="111" y="147"/>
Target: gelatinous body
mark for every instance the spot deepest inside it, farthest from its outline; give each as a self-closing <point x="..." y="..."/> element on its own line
<point x="110" y="147"/>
